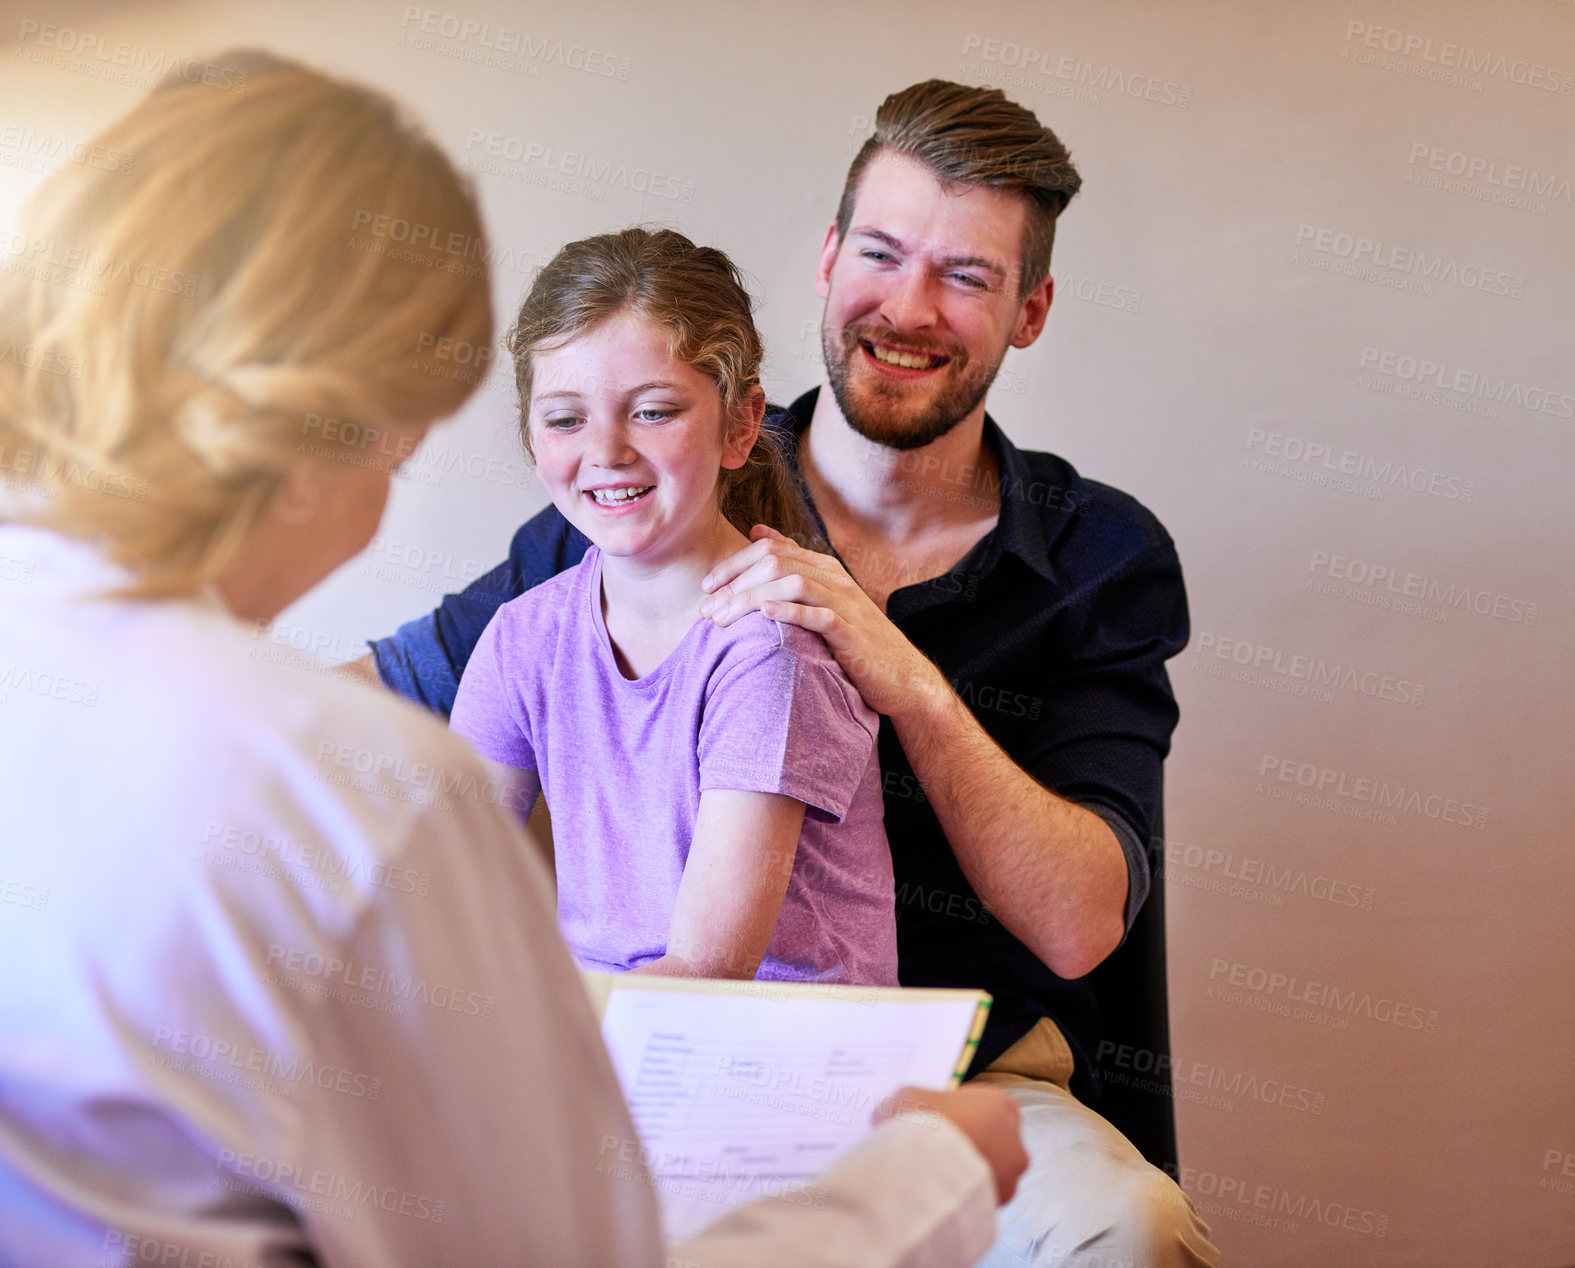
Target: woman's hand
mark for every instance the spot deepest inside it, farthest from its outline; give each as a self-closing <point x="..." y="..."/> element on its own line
<point x="780" y="579"/>
<point x="986" y="1115"/>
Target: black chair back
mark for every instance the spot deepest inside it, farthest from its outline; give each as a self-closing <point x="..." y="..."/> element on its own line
<point x="1132" y="1057"/>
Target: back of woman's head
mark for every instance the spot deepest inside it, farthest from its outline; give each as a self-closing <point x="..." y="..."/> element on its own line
<point x="697" y="296"/>
<point x="284" y="271"/>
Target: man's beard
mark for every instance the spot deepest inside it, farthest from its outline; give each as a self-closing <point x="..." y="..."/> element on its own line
<point x="880" y="411"/>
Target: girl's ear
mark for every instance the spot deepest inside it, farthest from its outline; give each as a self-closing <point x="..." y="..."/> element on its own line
<point x="744" y="428"/>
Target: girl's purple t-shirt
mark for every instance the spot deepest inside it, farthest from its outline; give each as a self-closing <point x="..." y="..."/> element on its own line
<point x="759" y="706"/>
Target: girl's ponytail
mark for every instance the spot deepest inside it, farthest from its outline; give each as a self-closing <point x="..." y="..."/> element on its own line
<point x="765" y="491"/>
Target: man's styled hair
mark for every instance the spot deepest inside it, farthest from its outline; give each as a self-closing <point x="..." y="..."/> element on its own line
<point x="975" y="136"/>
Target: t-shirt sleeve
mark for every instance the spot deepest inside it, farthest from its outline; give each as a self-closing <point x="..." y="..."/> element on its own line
<point x="488" y="710"/>
<point x="425" y="659"/>
<point x="780" y="718"/>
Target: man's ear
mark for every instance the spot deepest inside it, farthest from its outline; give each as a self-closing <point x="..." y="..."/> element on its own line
<point x="828" y="257"/>
<point x="1035" y="309"/>
<point x="744" y="429"/>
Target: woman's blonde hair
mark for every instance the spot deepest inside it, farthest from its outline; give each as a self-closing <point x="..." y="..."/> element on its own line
<point x="698" y="297"/>
<point x="286" y="270"/>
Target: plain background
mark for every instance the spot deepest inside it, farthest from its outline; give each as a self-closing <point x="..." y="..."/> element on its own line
<point x="1315" y="309"/>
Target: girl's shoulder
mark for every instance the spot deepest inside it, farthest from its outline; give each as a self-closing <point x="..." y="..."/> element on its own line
<point x="755" y="633"/>
<point x="757" y="645"/>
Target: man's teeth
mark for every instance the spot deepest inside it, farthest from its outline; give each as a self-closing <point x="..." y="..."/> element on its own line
<point x="907" y="360"/>
<point x="616" y="497"/>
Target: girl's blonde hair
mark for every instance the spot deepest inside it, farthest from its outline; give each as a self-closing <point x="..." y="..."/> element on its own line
<point x="698" y="297"/>
<point x="286" y="270"/>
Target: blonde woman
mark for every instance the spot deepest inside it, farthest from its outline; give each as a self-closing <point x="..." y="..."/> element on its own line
<point x="282" y="982"/>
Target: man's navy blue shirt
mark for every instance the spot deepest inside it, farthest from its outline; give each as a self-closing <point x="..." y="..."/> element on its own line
<point x="1054" y="629"/>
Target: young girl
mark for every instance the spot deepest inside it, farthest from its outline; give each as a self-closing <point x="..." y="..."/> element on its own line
<point x="715" y="794"/>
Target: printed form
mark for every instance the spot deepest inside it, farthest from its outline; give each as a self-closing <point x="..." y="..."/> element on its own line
<point x="747" y="1090"/>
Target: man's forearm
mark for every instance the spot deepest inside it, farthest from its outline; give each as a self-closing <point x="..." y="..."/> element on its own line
<point x="1052" y="872"/>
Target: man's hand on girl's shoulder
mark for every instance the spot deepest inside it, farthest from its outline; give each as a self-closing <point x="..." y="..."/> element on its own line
<point x="782" y="580"/>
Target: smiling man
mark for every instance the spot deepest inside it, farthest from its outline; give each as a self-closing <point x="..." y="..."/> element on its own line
<point x="1009" y="619"/>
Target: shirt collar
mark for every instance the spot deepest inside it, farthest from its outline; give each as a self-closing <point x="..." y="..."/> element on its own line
<point x="72" y="568"/>
<point x="1033" y="512"/>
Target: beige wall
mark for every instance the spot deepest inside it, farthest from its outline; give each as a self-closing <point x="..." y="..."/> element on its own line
<point x="1316" y="310"/>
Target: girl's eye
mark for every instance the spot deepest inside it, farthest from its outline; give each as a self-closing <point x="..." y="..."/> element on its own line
<point x="654" y="414"/>
<point x="561" y="422"/>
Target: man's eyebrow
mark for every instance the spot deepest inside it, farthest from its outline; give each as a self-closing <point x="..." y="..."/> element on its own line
<point x="972" y="262"/>
<point x="880" y="235"/>
<point x="993" y="267"/>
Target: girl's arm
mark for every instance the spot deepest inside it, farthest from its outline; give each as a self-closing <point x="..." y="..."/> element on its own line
<point x="520" y="790"/>
<point x="734" y="881"/>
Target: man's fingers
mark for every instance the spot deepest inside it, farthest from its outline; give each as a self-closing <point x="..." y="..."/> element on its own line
<point x="747" y="595"/>
<point x="732" y="567"/>
<point x="767" y="543"/>
<point x="818" y="620"/>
